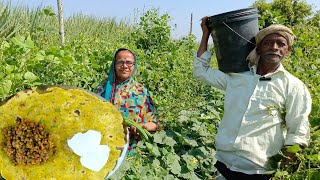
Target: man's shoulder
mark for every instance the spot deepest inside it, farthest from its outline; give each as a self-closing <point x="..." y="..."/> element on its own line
<point x="293" y="81"/>
<point x="291" y="77"/>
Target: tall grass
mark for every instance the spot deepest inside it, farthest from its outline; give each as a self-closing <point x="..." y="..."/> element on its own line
<point x="44" y="30"/>
<point x="102" y="28"/>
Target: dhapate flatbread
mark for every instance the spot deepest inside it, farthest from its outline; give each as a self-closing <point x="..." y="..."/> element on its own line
<point x="63" y="113"/>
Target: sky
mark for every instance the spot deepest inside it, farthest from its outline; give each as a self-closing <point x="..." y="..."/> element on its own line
<point x="179" y="10"/>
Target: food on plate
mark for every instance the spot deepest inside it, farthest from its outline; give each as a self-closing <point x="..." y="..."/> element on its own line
<point x="54" y="115"/>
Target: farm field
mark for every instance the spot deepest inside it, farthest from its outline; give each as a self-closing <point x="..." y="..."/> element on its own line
<point x="189" y="112"/>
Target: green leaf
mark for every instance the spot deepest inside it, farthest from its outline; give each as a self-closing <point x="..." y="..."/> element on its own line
<point x="281" y="173"/>
<point x="48" y="11"/>
<point x="159" y="136"/>
<point x="5" y="88"/>
<point x="9" y="68"/>
<point x="164" y="151"/>
<point x="2" y="75"/>
<point x="175" y="167"/>
<point x="156" y="163"/>
<point x="141" y="145"/>
<point x="171" y="157"/>
<point x="18" y="40"/>
<point x="200" y="153"/>
<point x="30" y="76"/>
<point x="29" y="43"/>
<point x="315" y="175"/>
<point x="17" y="76"/>
<point x="293" y="149"/>
<point x="315" y="135"/>
<point x="153" y="149"/>
<point x="314" y="157"/>
<point x="95" y="66"/>
<point x="169" y="141"/>
<point x="192" y="162"/>
<point x="168" y="177"/>
<point x="269" y="172"/>
<point x="39" y="57"/>
<point x="191" y="142"/>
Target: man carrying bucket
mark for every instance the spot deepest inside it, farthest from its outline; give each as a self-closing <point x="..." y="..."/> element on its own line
<point x="257" y="104"/>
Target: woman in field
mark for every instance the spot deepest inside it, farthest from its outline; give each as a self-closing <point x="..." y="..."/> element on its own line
<point x="130" y="97"/>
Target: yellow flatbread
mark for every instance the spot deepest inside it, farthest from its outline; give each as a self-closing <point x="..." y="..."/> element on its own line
<point x="63" y="113"/>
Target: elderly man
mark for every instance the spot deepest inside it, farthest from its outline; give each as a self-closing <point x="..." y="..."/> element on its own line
<point x="257" y="104"/>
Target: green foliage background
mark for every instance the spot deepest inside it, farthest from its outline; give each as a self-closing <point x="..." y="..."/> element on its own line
<point x="189" y="112"/>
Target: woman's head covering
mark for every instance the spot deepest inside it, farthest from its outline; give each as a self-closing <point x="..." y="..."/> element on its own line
<point x="284" y="31"/>
<point x="110" y="85"/>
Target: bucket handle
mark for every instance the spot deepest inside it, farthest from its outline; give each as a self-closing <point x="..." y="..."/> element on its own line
<point x="240" y="18"/>
<point x="238" y="34"/>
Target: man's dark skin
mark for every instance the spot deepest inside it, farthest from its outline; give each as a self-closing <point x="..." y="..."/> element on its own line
<point x="272" y="49"/>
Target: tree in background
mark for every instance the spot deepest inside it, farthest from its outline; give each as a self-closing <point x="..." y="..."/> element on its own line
<point x="287" y="12"/>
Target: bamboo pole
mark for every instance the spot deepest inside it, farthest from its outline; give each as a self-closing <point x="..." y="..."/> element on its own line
<point x="191" y="18"/>
<point x="60" y="16"/>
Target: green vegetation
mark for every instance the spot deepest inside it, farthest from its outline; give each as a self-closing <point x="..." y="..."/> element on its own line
<point x="189" y="111"/>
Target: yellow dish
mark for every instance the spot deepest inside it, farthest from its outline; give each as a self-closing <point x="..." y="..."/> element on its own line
<point x="63" y="112"/>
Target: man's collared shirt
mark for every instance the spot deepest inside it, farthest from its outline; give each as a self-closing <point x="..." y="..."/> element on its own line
<point x="261" y="114"/>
